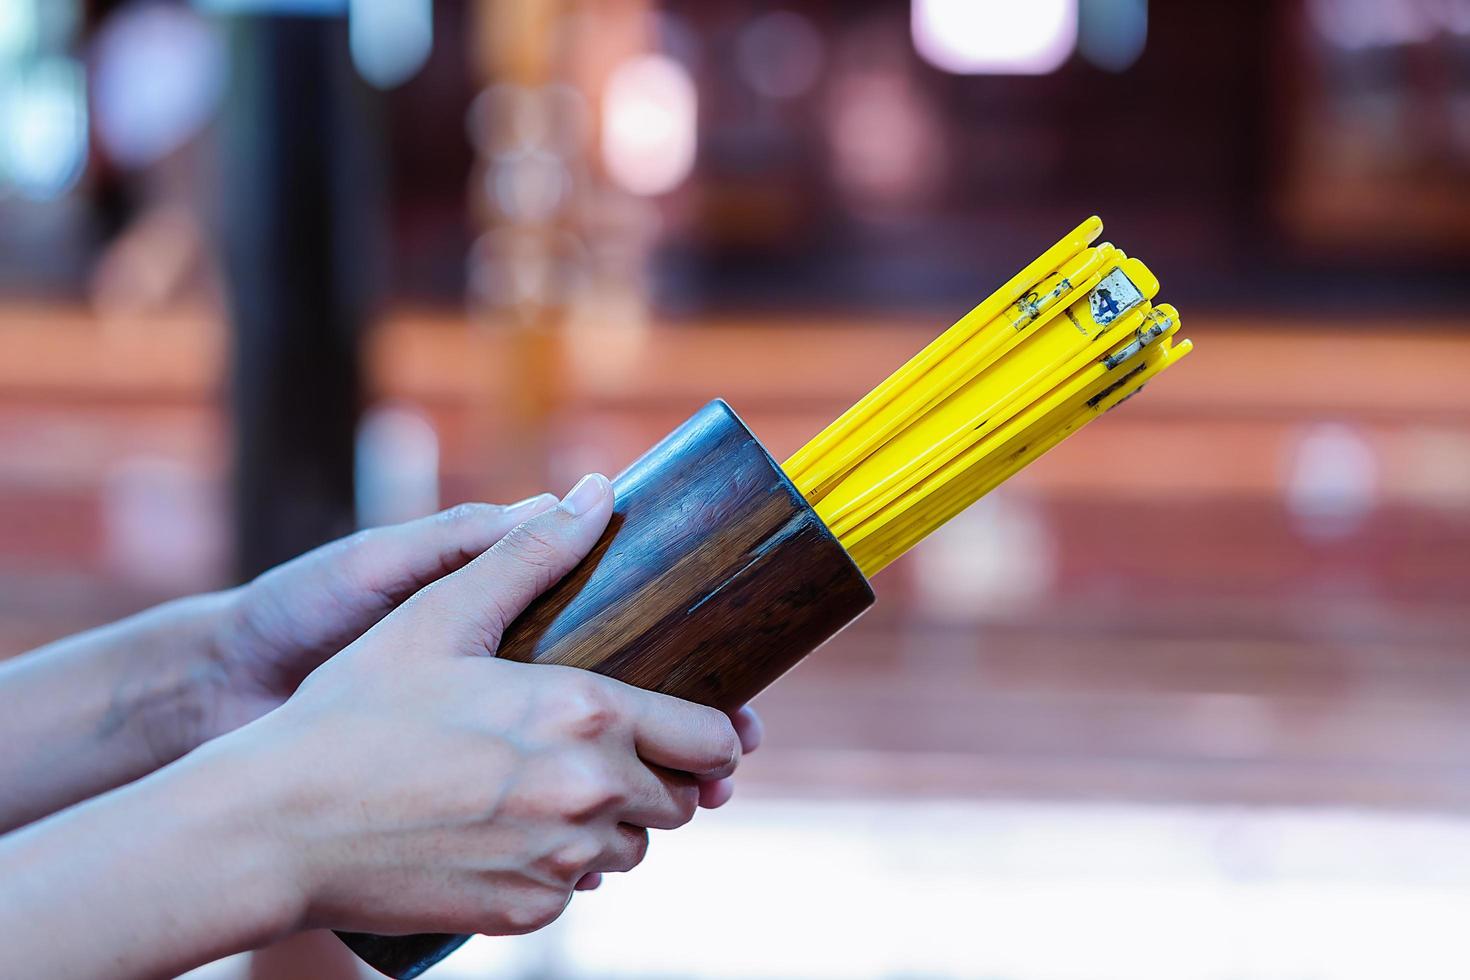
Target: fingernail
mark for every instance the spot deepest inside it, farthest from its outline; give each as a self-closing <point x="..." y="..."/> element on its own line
<point x="585" y="495"/>
<point x="540" y="502"/>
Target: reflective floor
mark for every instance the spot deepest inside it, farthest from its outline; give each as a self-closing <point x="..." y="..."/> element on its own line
<point x="1022" y="891"/>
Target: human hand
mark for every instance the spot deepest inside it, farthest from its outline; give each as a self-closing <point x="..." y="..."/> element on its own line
<point x="272" y="632"/>
<point x="713" y="793"/>
<point x="418" y="784"/>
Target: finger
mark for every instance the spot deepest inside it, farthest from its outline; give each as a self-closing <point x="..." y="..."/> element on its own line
<point x="683" y="736"/>
<point x="715" y="793"/>
<point x="589" y="882"/>
<point x="658" y="798"/>
<point x="495" y="588"/>
<point x="400" y="559"/>
<point x="750" y="728"/>
<point x="329" y="597"/>
<point x="626" y="849"/>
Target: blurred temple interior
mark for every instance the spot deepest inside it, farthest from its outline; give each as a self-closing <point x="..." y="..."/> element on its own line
<point x="1189" y="698"/>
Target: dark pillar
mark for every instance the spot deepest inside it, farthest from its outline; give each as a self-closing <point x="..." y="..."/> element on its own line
<point x="301" y="214"/>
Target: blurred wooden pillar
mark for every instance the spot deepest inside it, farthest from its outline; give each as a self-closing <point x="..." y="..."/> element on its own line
<point x="537" y="47"/>
<point x="513" y="43"/>
<point x="302" y="221"/>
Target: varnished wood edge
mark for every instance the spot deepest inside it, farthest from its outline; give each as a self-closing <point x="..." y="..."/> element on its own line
<point x="796" y="495"/>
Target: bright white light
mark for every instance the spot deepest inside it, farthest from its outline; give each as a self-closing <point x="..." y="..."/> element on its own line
<point x="43" y="129"/>
<point x="649" y="124"/>
<point x="995" y="37"/>
<point x="390" y="39"/>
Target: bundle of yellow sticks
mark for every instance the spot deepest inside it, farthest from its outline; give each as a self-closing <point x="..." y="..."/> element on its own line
<point x="1068" y="338"/>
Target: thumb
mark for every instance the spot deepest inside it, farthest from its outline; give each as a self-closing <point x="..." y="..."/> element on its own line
<point x="322" y="601"/>
<point x="495" y="588"/>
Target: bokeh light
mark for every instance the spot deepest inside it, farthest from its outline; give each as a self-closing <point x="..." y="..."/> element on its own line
<point x="43" y="127"/>
<point x="779" y="54"/>
<point x="649" y="124"/>
<point x="390" y="39"/>
<point x="1111" y="34"/>
<point x="158" y="74"/>
<point x="995" y="37"/>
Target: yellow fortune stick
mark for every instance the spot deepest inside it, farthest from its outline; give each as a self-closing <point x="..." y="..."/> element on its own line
<point x="1071" y="336"/>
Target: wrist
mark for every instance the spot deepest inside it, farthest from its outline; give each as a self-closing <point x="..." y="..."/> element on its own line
<point x="106" y="707"/>
<point x="234" y="794"/>
<point x="179" y="707"/>
<point x="170" y="872"/>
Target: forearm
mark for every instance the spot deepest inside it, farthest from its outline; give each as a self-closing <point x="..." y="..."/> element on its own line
<point x="96" y="710"/>
<point x="148" y="880"/>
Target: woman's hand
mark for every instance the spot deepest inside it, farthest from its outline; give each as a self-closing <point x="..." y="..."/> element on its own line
<point x="413" y="783"/>
<point x="104" y="707"/>
<point x="271" y="633"/>
<point x="274" y="631"/>
<point x="96" y="710"/>
<point x="420" y="784"/>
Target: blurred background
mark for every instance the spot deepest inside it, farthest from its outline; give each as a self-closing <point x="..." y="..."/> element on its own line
<point x="1190" y="698"/>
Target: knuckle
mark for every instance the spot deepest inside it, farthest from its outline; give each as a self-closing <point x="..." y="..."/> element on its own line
<point x="572" y="860"/>
<point x="587" y="790"/>
<point x="596" y="795"/>
<point x="533" y="545"/>
<point x="586" y="709"/>
<point x="534" y="912"/>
